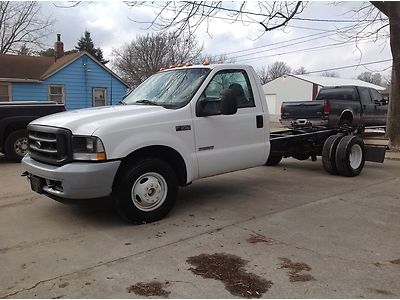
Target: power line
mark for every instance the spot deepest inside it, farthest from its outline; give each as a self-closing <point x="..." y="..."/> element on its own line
<point x="268" y="16"/>
<point x="324" y="35"/>
<point x="222" y="18"/>
<point x="249" y="49"/>
<point x="351" y="66"/>
<point x="340" y="44"/>
<point x="301" y="42"/>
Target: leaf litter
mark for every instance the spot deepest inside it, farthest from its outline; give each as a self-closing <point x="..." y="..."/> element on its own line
<point x="230" y="270"/>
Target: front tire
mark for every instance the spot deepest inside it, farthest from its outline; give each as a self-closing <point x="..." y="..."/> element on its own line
<point x="146" y="191"/>
<point x="273" y="160"/>
<point x="16" y="145"/>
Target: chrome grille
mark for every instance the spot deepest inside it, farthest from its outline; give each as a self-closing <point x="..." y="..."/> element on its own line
<point x="49" y="144"/>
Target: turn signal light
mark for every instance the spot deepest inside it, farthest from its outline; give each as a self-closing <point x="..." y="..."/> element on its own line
<point x="101" y="155"/>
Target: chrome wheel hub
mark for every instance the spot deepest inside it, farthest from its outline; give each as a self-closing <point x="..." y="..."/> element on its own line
<point x="21" y="146"/>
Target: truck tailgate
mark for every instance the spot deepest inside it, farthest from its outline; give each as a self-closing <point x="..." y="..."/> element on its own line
<point x="302" y="110"/>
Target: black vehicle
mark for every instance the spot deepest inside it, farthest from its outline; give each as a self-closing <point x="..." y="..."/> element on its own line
<point x="352" y="106"/>
<point x="14" y="117"/>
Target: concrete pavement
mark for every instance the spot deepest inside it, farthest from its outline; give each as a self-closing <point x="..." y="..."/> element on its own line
<point x="345" y="229"/>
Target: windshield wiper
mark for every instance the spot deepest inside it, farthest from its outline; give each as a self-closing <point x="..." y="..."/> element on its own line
<point x="122" y="102"/>
<point x="147" y="102"/>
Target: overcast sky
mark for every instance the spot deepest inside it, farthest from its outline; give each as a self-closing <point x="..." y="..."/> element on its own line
<point x="111" y="26"/>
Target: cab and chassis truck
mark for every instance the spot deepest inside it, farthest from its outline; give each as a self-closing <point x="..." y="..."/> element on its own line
<point x="180" y="125"/>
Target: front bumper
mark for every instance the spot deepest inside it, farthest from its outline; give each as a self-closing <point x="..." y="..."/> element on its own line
<point x="77" y="180"/>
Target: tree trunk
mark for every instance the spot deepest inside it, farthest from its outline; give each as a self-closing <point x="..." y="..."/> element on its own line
<point x="393" y="122"/>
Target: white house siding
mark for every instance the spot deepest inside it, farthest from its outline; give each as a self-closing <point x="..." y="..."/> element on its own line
<point x="286" y="88"/>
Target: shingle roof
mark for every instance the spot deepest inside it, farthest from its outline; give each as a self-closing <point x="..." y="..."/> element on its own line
<point x="37" y="68"/>
<point x="30" y="67"/>
<point x="335" y="81"/>
<point x="24" y="67"/>
<point x="60" y="63"/>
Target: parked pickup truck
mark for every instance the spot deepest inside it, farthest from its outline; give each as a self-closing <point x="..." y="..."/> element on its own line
<point x="180" y="125"/>
<point x="14" y="117"/>
<point x="353" y="106"/>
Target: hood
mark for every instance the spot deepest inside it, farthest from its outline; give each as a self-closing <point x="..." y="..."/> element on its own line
<point x="86" y="121"/>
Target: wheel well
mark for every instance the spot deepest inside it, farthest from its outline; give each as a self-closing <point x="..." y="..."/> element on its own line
<point x="167" y="154"/>
<point x="11" y="127"/>
<point x="347" y="115"/>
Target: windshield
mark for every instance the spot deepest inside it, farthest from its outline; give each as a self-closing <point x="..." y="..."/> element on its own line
<point x="170" y="89"/>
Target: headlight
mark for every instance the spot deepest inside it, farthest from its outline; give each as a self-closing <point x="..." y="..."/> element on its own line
<point x="88" y="148"/>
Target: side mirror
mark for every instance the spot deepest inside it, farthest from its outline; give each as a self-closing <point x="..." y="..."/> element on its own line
<point x="378" y="102"/>
<point x="228" y="102"/>
<point x="206" y="107"/>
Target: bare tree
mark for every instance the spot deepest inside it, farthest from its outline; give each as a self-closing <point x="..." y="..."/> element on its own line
<point x="273" y="71"/>
<point x="278" y="69"/>
<point x="145" y="56"/>
<point x="374" y="78"/>
<point x="22" y="24"/>
<point x="214" y="59"/>
<point x="392" y="11"/>
<point x="330" y="74"/>
<point x="263" y="74"/>
<point x="300" y="71"/>
<point x="187" y="16"/>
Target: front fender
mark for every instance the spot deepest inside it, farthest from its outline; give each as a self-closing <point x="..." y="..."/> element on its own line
<point x="138" y="141"/>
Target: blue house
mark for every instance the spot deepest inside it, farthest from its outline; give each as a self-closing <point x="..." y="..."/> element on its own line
<point x="78" y="80"/>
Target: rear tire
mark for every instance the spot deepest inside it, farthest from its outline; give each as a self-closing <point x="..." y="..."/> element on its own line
<point x="146" y="191"/>
<point x="273" y="160"/>
<point x="16" y="145"/>
<point x="350" y="156"/>
<point x="329" y="152"/>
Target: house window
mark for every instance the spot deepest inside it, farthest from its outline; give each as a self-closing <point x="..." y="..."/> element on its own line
<point x="99" y="96"/>
<point x="56" y="93"/>
<point x="5" y="92"/>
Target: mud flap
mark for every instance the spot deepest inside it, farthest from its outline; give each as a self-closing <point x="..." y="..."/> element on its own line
<point x="375" y="153"/>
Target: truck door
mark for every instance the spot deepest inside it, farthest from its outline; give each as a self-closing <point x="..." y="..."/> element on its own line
<point x="367" y="106"/>
<point x="226" y="143"/>
<point x="380" y="107"/>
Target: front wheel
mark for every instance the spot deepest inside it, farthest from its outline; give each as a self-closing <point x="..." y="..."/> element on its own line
<point x="146" y="191"/>
<point x="273" y="160"/>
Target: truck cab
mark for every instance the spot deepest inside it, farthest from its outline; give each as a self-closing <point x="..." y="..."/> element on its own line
<point x="180" y="125"/>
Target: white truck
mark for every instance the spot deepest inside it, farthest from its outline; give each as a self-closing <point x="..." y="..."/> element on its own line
<point x="179" y="125"/>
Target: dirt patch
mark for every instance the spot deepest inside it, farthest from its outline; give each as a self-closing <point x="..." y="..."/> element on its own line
<point x="259" y="238"/>
<point x="294" y="268"/>
<point x="396" y="261"/>
<point x="382" y="292"/>
<point x="149" y="289"/>
<point x="230" y="270"/>
<point x="63" y="285"/>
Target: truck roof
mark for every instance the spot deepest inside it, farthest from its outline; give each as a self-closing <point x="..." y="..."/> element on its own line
<point x="210" y="66"/>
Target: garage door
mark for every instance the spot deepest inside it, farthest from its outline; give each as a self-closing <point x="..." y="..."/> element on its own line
<point x="271" y="102"/>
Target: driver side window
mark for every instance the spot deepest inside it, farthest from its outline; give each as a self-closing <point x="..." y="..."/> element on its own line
<point x="235" y="80"/>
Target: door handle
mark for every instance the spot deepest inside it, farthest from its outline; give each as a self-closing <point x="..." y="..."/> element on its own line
<point x="260" y="121"/>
